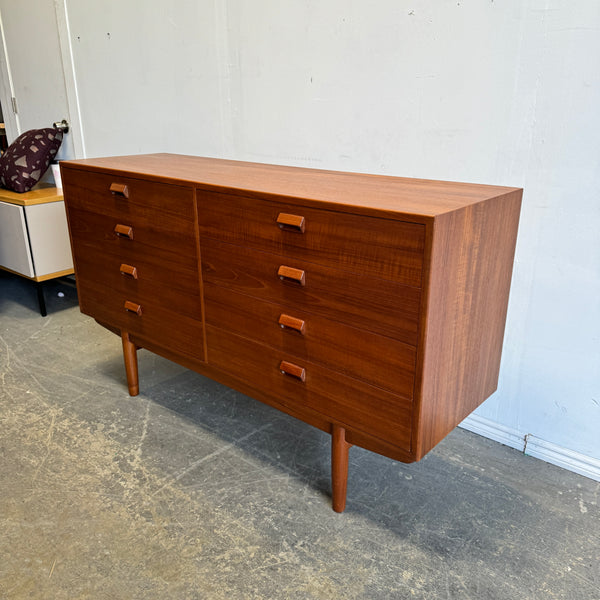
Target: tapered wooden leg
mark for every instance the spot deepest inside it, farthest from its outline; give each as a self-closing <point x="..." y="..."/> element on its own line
<point x="131" y="366"/>
<point x="339" y="467"/>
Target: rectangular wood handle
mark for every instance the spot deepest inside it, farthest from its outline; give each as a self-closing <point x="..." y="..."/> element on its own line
<point x="290" y="274"/>
<point x="289" y="222"/>
<point x="119" y="189"/>
<point x="288" y="368"/>
<point x="128" y="270"/>
<point x="133" y="307"/>
<point x="287" y="322"/>
<point x="124" y="231"/>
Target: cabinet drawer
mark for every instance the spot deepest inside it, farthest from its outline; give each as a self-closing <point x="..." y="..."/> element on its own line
<point x="368" y="245"/>
<point x="148" y="231"/>
<point x="345" y="400"/>
<point x="179" y="271"/>
<point x="167" y="328"/>
<point x="174" y="289"/>
<point x="114" y="194"/>
<point x="373" y="358"/>
<point x="376" y="305"/>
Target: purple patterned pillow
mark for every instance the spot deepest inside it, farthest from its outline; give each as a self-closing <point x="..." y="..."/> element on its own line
<point x="28" y="158"/>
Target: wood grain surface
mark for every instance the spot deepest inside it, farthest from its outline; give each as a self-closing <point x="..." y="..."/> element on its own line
<point x="346" y="400"/>
<point x="370" y="303"/>
<point x="463" y="315"/>
<point x="402" y="198"/>
<point x="376" y="359"/>
<point x="387" y="249"/>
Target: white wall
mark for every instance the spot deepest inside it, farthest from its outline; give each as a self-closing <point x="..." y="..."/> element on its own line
<point x="148" y="75"/>
<point x="503" y="92"/>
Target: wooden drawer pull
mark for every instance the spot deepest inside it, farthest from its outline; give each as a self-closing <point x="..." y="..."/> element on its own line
<point x="133" y="307"/>
<point x="124" y="231"/>
<point x="119" y="189"/>
<point x="287" y="322"/>
<point x="290" y="274"/>
<point x="288" y="368"/>
<point x="128" y="270"/>
<point x="289" y="222"/>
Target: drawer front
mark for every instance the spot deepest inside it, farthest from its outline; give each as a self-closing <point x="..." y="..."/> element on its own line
<point x="368" y="245"/>
<point x="174" y="289"/>
<point x="160" y="266"/>
<point x="345" y="400"/>
<point x="167" y="328"/>
<point x="113" y="194"/>
<point x="373" y="358"/>
<point x="377" y="305"/>
<point x="140" y="232"/>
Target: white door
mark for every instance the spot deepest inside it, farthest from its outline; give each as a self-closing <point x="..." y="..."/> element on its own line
<point x="36" y="71"/>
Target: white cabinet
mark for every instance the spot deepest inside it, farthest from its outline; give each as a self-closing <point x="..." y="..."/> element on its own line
<point x="34" y="237"/>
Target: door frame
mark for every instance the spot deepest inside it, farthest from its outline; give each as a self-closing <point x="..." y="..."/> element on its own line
<point x="11" y="119"/>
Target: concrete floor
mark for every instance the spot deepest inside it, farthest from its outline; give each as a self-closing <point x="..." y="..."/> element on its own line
<point x="191" y="490"/>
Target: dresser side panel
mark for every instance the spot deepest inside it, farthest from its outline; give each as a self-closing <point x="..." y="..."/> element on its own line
<point x="464" y="313"/>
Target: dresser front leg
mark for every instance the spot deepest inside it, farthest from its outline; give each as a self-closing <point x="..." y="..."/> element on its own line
<point x="131" y="366"/>
<point x="339" y="467"/>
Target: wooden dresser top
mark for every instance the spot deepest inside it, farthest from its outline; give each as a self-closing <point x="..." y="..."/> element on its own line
<point x="397" y="197"/>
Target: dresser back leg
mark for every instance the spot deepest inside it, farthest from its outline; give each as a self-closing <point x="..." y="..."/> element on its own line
<point x="339" y="467"/>
<point x="131" y="366"/>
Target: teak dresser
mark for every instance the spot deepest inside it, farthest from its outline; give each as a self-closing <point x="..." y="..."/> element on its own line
<point x="370" y="307"/>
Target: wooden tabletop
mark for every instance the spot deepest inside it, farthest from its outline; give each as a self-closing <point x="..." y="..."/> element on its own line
<point x="39" y="195"/>
<point x="396" y="196"/>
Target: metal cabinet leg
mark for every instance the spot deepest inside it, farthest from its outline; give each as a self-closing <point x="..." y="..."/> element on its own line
<point x="39" y="286"/>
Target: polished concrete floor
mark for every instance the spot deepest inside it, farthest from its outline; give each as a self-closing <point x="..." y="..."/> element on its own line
<point x="191" y="490"/>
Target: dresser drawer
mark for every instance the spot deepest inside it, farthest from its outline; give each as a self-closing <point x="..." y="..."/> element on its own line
<point x="368" y="245"/>
<point x="178" y="271"/>
<point x="166" y="328"/>
<point x="114" y="194"/>
<point x="345" y="400"/>
<point x="377" y="305"/>
<point x="175" y="289"/>
<point x="138" y="231"/>
<point x="373" y="358"/>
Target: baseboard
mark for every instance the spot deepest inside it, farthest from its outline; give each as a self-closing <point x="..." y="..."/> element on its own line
<point x="494" y="431"/>
<point x="534" y="446"/>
